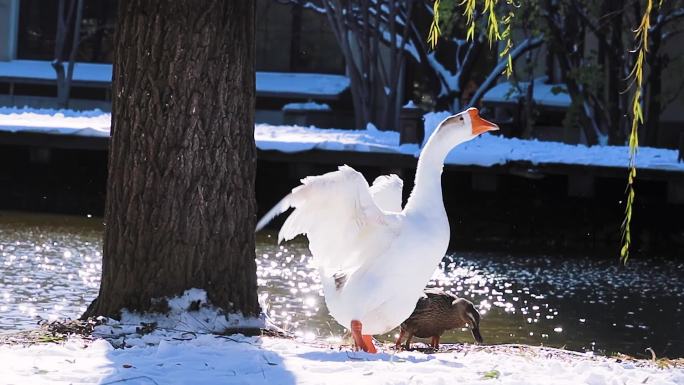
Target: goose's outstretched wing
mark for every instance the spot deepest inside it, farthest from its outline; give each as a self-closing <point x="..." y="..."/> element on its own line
<point x="387" y="192"/>
<point x="336" y="211"/>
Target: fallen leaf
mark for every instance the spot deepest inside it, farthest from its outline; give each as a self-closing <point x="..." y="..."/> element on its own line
<point x="491" y="374"/>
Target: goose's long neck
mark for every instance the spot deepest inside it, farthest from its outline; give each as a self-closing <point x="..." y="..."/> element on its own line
<point x="426" y="196"/>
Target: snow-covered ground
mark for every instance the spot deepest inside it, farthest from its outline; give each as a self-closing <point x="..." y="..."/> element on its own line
<point x="179" y="349"/>
<point x="487" y="150"/>
<point x="175" y="358"/>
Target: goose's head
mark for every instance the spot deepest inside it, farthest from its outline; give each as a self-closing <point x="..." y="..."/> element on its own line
<point x="462" y="127"/>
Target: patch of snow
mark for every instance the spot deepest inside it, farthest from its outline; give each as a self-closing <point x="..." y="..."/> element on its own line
<point x="307" y="84"/>
<point x="308" y="106"/>
<point x="450" y="81"/>
<point x="51" y="121"/>
<point x="550" y="95"/>
<point x="409" y="47"/>
<point x="296" y="139"/>
<point x="489" y="150"/>
<point x="96" y="113"/>
<point x="42" y="70"/>
<point x="174" y="358"/>
<point x="410" y="104"/>
<point x="203" y="318"/>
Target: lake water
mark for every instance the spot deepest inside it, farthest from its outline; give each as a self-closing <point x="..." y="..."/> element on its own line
<point x="50" y="269"/>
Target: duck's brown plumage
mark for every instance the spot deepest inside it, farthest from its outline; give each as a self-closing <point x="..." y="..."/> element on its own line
<point x="437" y="312"/>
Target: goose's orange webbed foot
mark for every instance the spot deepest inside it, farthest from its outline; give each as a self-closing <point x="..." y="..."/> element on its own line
<point x="363" y="342"/>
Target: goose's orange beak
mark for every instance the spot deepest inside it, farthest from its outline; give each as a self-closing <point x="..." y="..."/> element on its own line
<point x="480" y="125"/>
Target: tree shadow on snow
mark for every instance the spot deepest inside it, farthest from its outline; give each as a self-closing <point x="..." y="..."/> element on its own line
<point x="201" y="359"/>
<point x="347" y="356"/>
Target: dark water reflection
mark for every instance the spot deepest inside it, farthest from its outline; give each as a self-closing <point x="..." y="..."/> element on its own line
<point x="50" y="269"/>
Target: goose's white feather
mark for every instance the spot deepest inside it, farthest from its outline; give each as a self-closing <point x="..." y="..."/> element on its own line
<point x="340" y="218"/>
<point x="387" y="192"/>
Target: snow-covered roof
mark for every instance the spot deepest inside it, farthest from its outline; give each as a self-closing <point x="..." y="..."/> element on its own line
<point x="42" y="70"/>
<point x="543" y="94"/>
<point x="486" y="151"/>
<point x="308" y="106"/>
<point x="314" y="85"/>
<point x="93" y="123"/>
<point x="321" y="86"/>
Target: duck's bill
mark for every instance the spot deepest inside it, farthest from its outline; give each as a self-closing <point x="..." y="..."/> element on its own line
<point x="480" y="125"/>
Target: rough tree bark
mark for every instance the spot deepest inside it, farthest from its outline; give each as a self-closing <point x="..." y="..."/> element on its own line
<point x="180" y="207"/>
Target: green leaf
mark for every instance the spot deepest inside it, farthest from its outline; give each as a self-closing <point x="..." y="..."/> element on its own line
<point x="51" y="339"/>
<point x="491" y="374"/>
<point x="470" y="35"/>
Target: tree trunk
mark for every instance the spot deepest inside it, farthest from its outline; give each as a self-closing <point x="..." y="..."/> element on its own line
<point x="654" y="85"/>
<point x="566" y="38"/>
<point x="180" y="208"/>
<point x="295" y="37"/>
<point x="64" y="20"/>
<point x="615" y="62"/>
<point x="66" y="92"/>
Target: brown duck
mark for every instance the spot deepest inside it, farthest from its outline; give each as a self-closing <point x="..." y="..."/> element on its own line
<point x="437" y="312"/>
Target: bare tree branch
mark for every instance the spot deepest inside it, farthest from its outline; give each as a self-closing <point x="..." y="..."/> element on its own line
<point x="495" y="73"/>
<point x="663" y="19"/>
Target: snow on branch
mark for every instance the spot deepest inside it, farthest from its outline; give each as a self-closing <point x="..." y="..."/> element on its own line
<point x="496" y="72"/>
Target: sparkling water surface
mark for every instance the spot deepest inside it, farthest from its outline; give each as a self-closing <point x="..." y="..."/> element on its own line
<point x="50" y="269"/>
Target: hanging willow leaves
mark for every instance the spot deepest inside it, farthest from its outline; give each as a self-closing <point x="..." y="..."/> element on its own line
<point x="469" y="12"/>
<point x="637" y="74"/>
<point x="493" y="28"/>
<point x="434" y="27"/>
<point x="506" y="34"/>
<point x="492" y="23"/>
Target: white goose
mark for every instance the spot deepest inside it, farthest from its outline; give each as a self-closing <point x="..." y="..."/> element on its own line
<point x="374" y="258"/>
